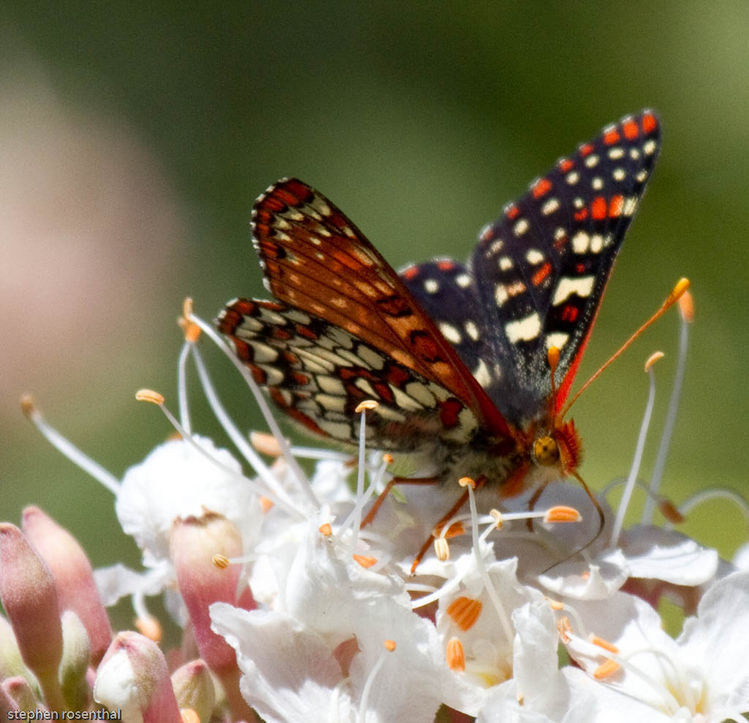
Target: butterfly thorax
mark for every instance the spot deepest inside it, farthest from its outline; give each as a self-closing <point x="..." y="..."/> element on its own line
<point x="540" y="455"/>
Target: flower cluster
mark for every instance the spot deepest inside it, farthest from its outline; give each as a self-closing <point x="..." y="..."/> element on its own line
<point x="295" y="605"/>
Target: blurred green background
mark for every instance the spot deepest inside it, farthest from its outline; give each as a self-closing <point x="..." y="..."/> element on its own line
<point x="134" y="138"/>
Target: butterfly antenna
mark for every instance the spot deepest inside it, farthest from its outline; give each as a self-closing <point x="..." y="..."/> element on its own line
<point x="681" y="286"/>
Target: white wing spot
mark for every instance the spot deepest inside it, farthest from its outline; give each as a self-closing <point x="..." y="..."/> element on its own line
<point x="472" y="330"/>
<point x="641" y="176"/>
<point x="523" y="329"/>
<point x="557" y="339"/>
<point x="431" y="286"/>
<point x="578" y="202"/>
<point x="420" y="392"/>
<point x="572" y="178"/>
<point x="500" y="294"/>
<point x="331" y="403"/>
<point x="262" y="353"/>
<point x="495" y="246"/>
<point x="505" y="263"/>
<point x="370" y="357"/>
<point x="560" y="233"/>
<point x="339" y="337"/>
<point x="405" y="401"/>
<point x="337" y="430"/>
<point x="463" y="280"/>
<point x="330" y="385"/>
<point x="634" y="154"/>
<point x="596" y="243"/>
<point x="482" y="375"/>
<point x="320" y="206"/>
<point x="550" y="206"/>
<point x="580" y="242"/>
<point x="616" y="153"/>
<point x="619" y="174"/>
<point x="534" y="256"/>
<point x="582" y="286"/>
<point x="649" y="147"/>
<point x="592" y="160"/>
<point x="274" y="376"/>
<point x="630" y="204"/>
<point x="366" y="387"/>
<point x="597" y="183"/>
<point x="450" y="333"/>
<point x="520" y="227"/>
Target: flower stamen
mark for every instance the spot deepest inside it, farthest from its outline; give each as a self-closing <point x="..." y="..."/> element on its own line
<point x="67" y="448"/>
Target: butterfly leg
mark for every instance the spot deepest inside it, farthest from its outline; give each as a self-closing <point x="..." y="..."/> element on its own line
<point x="532" y="503"/>
<point x="444" y="519"/>
<point x="389" y="486"/>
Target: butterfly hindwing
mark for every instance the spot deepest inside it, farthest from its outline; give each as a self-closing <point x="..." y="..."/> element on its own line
<point x="318" y="373"/>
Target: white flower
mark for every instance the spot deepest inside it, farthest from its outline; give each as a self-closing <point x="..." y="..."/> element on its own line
<point x="701" y="676"/>
<point x="320" y="652"/>
<point x="177" y="480"/>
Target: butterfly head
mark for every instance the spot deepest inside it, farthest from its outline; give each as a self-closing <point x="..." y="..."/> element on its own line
<point x="559" y="449"/>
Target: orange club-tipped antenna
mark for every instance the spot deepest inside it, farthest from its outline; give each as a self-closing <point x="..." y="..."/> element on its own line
<point x="676" y="293"/>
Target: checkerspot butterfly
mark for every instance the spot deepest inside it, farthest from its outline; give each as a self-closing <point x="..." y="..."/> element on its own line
<point x="456" y="355"/>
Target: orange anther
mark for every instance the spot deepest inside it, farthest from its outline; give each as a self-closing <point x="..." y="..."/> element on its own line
<point x="188" y="715"/>
<point x="27" y="404"/>
<point x="149" y="395"/>
<point x="464" y="611"/>
<point x="150" y="627"/>
<point x="365" y="561"/>
<point x="441" y="549"/>
<point x="562" y="513"/>
<point x="669" y="510"/>
<point x="652" y="359"/>
<point x="325" y="529"/>
<point x="679" y="289"/>
<point x="265" y="443"/>
<point x="467" y="482"/>
<point x="564" y="629"/>
<point x="389" y="645"/>
<point x="605" y="644"/>
<point x="265" y="503"/>
<point x="220" y="561"/>
<point x="366" y="405"/>
<point x="606" y="669"/>
<point x="455" y="655"/>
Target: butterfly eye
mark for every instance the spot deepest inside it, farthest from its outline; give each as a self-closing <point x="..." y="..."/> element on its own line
<point x="545" y="451"/>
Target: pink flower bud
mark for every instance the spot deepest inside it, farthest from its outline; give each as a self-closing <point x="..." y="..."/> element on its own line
<point x="133" y="679"/>
<point x="193" y="544"/>
<point x="194" y="688"/>
<point x="27" y="591"/>
<point x="73" y="576"/>
<point x="19" y="694"/>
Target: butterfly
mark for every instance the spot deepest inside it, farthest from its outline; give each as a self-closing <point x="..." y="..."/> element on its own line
<point x="470" y="364"/>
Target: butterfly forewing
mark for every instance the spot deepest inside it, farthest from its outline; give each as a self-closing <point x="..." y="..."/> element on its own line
<point x="316" y="260"/>
<point x="537" y="276"/>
